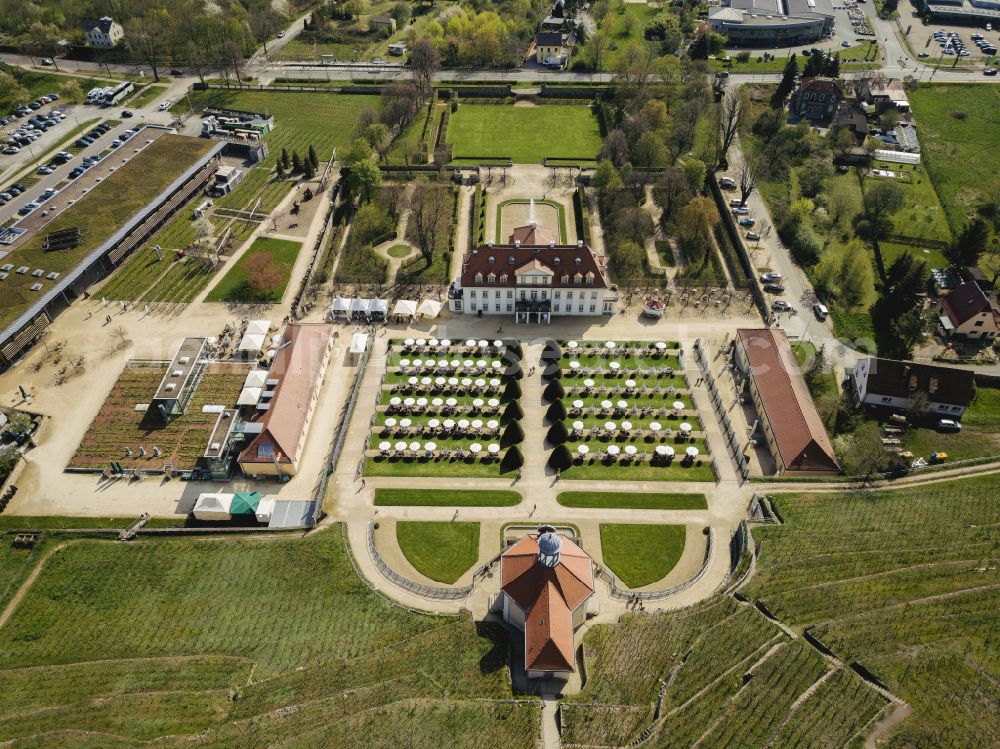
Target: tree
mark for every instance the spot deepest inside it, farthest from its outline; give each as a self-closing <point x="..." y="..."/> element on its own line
<point x="71" y="90"/>
<point x="353" y="8"/>
<point x="967" y="248"/>
<point x="232" y="57"/>
<point x="12" y="90"/>
<point x="749" y="172"/>
<point x="431" y="210"/>
<point x="898" y="314"/>
<point x="264" y="22"/>
<point x="672" y="192"/>
<point x="787" y="83"/>
<point x="425" y="60"/>
<point x="874" y="223"/>
<point x="606" y="177"/>
<point x="730" y="119"/>
<point x="512" y="392"/>
<point x="263" y="276"/>
<point x="43" y="40"/>
<point x="513" y="412"/>
<point x="400" y="104"/>
<point x="554" y="391"/>
<point x="285" y="161"/>
<point x="556" y="412"/>
<point x="615" y="148"/>
<point x="401" y="13"/>
<point x="313" y="158"/>
<point x="695" y="171"/>
<point x="841" y="141"/>
<point x="378" y="138"/>
<point x="561" y="458"/>
<point x="649" y="151"/>
<point x="279" y="170"/>
<point x="19" y="422"/>
<point x="365" y="179"/>
<point x="198" y="55"/>
<point x="628" y="260"/>
<point x="695" y="223"/>
<point x="149" y="36"/>
<point x="296" y="163"/>
<point x="855" y="281"/>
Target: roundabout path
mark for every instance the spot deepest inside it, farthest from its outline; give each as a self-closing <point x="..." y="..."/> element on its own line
<point x="400" y="239"/>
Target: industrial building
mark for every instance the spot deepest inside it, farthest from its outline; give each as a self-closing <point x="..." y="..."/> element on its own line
<point x="761" y="24"/>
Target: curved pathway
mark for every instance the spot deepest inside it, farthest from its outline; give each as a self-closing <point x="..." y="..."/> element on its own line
<point x="11" y="607"/>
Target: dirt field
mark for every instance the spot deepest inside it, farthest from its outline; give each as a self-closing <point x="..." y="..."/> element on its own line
<point x="118" y="425"/>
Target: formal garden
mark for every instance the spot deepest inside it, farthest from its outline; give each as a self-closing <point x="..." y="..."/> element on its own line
<point x="622" y="410"/>
<point x="448" y="409"/>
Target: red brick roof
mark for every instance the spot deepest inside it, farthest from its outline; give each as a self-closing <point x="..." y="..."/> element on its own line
<point x="531" y="234"/>
<point x="967" y="301"/>
<point x="559" y="259"/>
<point x="796" y="425"/>
<point x="548" y="596"/>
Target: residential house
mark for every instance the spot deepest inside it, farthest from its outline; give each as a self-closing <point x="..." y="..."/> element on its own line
<point x="382" y="24"/>
<point x="887" y="383"/>
<point x="817" y="99"/>
<point x="553" y="48"/>
<point x="287" y="400"/>
<point x="545" y="583"/>
<point x="532" y="281"/>
<point x="969" y="312"/>
<point x="103" y="33"/>
<point x="883" y="94"/>
<point x="791" y="425"/>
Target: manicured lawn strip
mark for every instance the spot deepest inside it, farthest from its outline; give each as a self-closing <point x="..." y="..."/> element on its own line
<point x="57" y="522"/>
<point x="420" y="420"/>
<point x="657" y="402"/>
<point x="449" y="467"/>
<point x="604" y="378"/>
<point x="400" y="250"/>
<point x="525" y="134"/>
<point x="442" y="551"/>
<point x="641" y="554"/>
<point x="676" y="471"/>
<point x="442" y="443"/>
<point x="234" y="286"/>
<point x="446" y="498"/>
<point x="633" y="500"/>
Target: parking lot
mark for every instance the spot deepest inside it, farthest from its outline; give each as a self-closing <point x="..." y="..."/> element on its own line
<point x="71" y="190"/>
<point x="922" y="40"/>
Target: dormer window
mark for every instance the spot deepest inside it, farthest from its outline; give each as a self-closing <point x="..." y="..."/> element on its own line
<point x="565" y="278"/>
<point x="510" y="259"/>
<point x="590" y="279"/>
<point x="503" y="278"/>
<point x="555" y="261"/>
<point x="577" y="279"/>
<point x="492" y="278"/>
<point x="479" y="278"/>
<point x="490" y="260"/>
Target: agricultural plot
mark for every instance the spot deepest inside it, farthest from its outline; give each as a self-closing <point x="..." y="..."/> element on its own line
<point x="118" y="425"/>
<point x="325" y="121"/>
<point x="524" y="134"/>
<point x="346" y="667"/>
<point x="447" y="409"/>
<point x="623" y="411"/>
<point x="904" y="582"/>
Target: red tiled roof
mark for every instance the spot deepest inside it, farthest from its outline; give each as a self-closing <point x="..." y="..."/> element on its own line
<point x="560" y="260"/>
<point x="967" y="301"/>
<point x="820" y="85"/>
<point x="548" y="596"/>
<point x="796" y="425"/>
<point x="297" y="365"/>
<point x="531" y="234"/>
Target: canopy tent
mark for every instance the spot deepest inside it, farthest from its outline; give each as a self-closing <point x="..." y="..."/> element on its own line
<point x="340" y="306"/>
<point x="256" y="378"/>
<point x="258" y="327"/>
<point x="429" y="308"/>
<point x="213" y="506"/>
<point x="265" y="509"/>
<point x="360" y="306"/>
<point x="405" y="307"/>
<point x="378" y="307"/>
<point x="252" y="342"/>
<point x="249" y="396"/>
<point x="359" y="342"/>
<point x="244" y="503"/>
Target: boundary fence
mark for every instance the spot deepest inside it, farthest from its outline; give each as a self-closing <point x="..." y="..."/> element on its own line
<point x="623" y="593"/>
<point x="732" y="442"/>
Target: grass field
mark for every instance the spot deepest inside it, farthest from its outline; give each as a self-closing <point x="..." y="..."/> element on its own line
<point x="442" y="551"/>
<point x="957" y="131"/>
<point x="400" y="250"/>
<point x="922" y="216"/>
<point x="146" y="95"/>
<point x="235" y="285"/>
<point x="633" y="500"/>
<point x="446" y="498"/>
<point x="245" y="643"/>
<point x="118" y="425"/>
<point x="325" y="121"/>
<point x="105" y="208"/>
<point x="525" y="134"/>
<point x="641" y="554"/>
<point x="41" y="83"/>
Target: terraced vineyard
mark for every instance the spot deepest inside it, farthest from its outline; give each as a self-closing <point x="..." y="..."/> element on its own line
<point x="242" y="645"/>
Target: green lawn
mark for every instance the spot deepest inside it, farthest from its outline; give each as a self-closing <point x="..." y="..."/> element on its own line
<point x="41" y="83"/>
<point x="446" y="498"/>
<point x="958" y="131"/>
<point x="235" y="285"/>
<point x="634" y="500"/>
<point x="921" y="216"/>
<point x="625" y="26"/>
<point x="325" y="121"/>
<point x="525" y="134"/>
<point x="442" y="551"/>
<point x="641" y="554"/>
<point x="980" y="435"/>
<point x="105" y="208"/>
<point x="400" y="250"/>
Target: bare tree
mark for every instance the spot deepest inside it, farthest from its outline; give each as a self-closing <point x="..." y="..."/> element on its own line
<point x="730" y="118"/>
<point x="430" y="216"/>
<point x="425" y="61"/>
<point x="149" y="35"/>
<point x="232" y="56"/>
<point x="264" y="23"/>
<point x="749" y="172"/>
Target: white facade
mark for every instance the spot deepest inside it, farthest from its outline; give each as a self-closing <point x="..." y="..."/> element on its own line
<point x="105" y="33"/>
<point x="865" y="394"/>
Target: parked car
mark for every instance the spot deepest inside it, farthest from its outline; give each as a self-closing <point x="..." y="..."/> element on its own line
<point x="727" y="183"/>
<point x="948" y="425"/>
<point x="735" y="203"/>
<point x="747" y="222"/>
<point x="45" y="169"/>
<point x="990" y="71"/>
<point x="165" y="105"/>
<point x="176" y="71"/>
<point x="741" y="211"/>
<point x="774" y="288"/>
<point x="25" y="210"/>
<point x="752" y="236"/>
<point x="47" y="62"/>
<point x="820" y="311"/>
<point x="127" y="114"/>
<point x="780" y="305"/>
<point x="11" y="150"/>
<point x="770" y="276"/>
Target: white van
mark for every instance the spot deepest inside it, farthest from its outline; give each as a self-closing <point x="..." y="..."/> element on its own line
<point x="820" y="311"/>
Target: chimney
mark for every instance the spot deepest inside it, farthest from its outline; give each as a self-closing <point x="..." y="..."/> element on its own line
<point x="579" y="243"/>
<point x="517" y="242"/>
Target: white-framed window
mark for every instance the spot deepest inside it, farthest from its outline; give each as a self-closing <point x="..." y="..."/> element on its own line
<point x="479" y="278"/>
<point x="555" y="307"/>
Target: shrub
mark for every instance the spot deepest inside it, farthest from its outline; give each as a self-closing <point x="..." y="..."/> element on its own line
<point x="555" y="391"/>
<point x="512" y="392"/>
<point x="561" y="458"/>
<point x="556" y="412"/>
<point x="512" y="435"/>
<point x="558" y="433"/>
<point x="513" y="412"/>
<point x="513" y="459"/>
